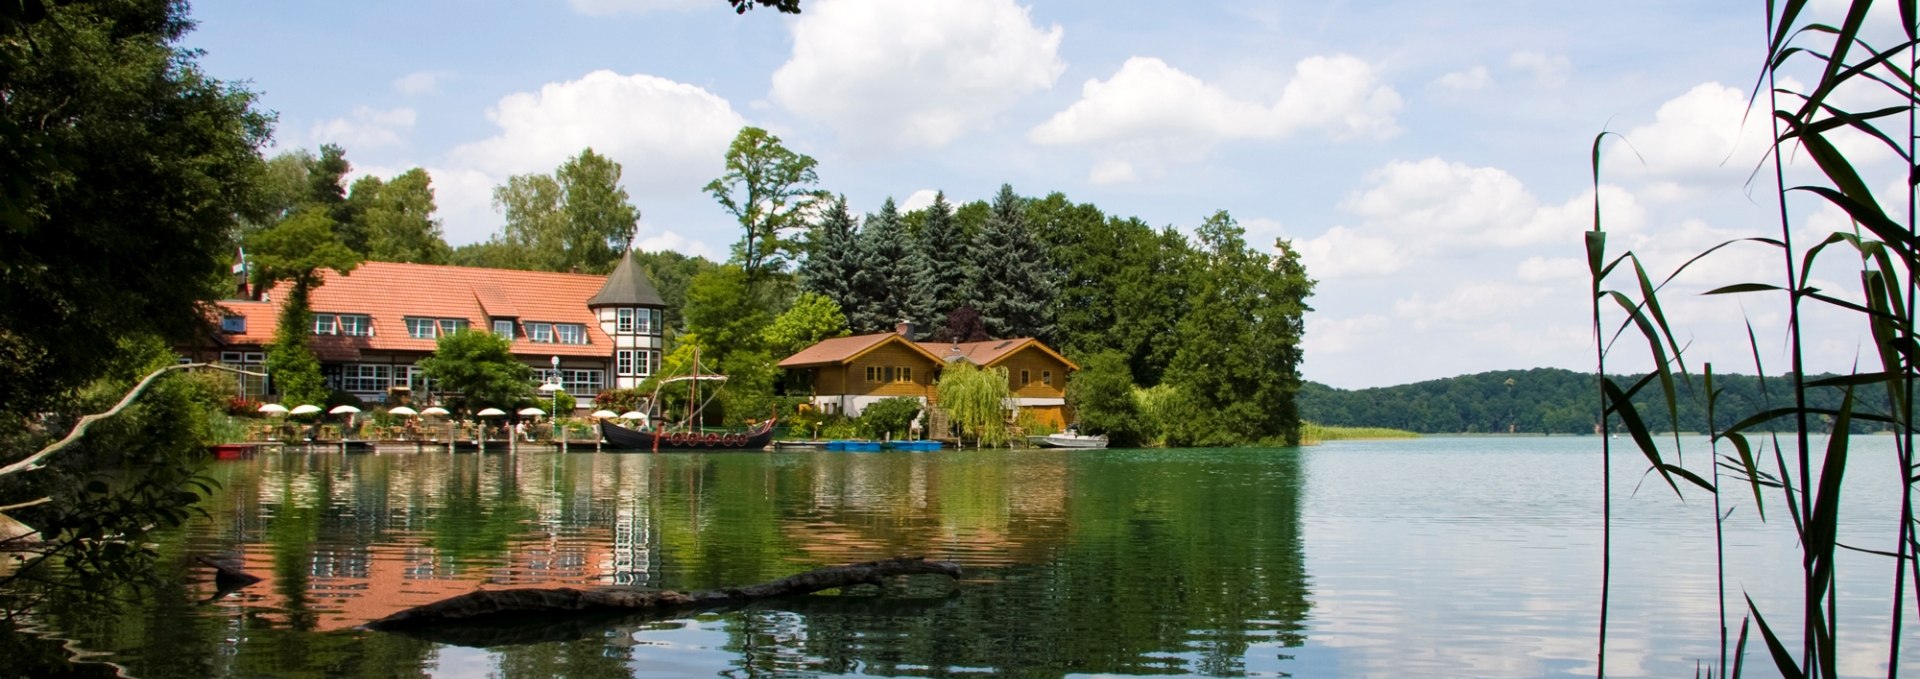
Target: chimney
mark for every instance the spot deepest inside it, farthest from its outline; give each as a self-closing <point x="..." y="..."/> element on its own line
<point x="905" y="328"/>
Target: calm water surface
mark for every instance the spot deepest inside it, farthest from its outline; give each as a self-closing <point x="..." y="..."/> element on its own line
<point x="1439" y="557"/>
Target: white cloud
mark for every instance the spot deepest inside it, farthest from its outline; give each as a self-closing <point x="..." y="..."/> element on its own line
<point x="1469" y="302"/>
<point x="1549" y="70"/>
<point x="670" y="137"/>
<point x="1343" y="252"/>
<point x="1470" y="80"/>
<point x="1149" y="112"/>
<point x="606" y="7"/>
<point x="669" y="240"/>
<point x="1434" y="204"/>
<point x="1704" y="135"/>
<point x="463" y="199"/>
<point x="366" y="128"/>
<point x="914" y="74"/>
<point x="918" y="199"/>
<point x="1112" y="172"/>
<point x="1538" y="269"/>
<point x="420" y="82"/>
<point x="1330" y="336"/>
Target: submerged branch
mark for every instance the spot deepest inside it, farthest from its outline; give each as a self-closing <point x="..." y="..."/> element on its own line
<point x="475" y="606"/>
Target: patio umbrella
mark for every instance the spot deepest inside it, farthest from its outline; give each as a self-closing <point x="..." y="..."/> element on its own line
<point x="491" y="412"/>
<point x="343" y="410"/>
<point x="304" y="410"/>
<point x="531" y="411"/>
<point x="633" y="415"/>
<point x="403" y="411"/>
<point x="434" y="411"/>
<point x="604" y="414"/>
<point x="273" y="409"/>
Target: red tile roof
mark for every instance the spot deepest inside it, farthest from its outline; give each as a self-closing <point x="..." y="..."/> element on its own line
<point x="838" y="350"/>
<point x="392" y="292"/>
<point x="991" y="351"/>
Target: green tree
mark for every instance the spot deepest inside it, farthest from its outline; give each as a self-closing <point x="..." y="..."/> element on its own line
<point x="122" y="168"/>
<point x="884" y="279"/>
<point x="672" y="273"/>
<point x="1119" y="285"/>
<point x="813" y="317"/>
<point x="495" y="253"/>
<point x="729" y="323"/>
<point x="890" y="417"/>
<point x="576" y="219"/>
<point x="938" y="267"/>
<point x="1101" y="395"/>
<point x="296" y="251"/>
<point x="1239" y="344"/>
<point x="1011" y="287"/>
<point x="769" y="190"/>
<point x="479" y="366"/>
<point x="398" y="218"/>
<point x="600" y="219"/>
<point x="832" y="265"/>
<point x="975" y="399"/>
<point x="327" y="190"/>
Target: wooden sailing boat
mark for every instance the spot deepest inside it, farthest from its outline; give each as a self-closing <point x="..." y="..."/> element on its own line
<point x="684" y="436"/>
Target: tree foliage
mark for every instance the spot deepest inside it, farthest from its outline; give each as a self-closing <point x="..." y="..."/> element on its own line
<point x="480" y="366"/>
<point x="1011" y="285"/>
<point x="938" y="266"/>
<point x="813" y="317"/>
<point x="832" y="265"/>
<point x="975" y="399"/>
<point x="769" y="190"/>
<point x="890" y="417"/>
<point x="576" y="219"/>
<point x="397" y="216"/>
<point x="122" y="168"/>
<point x="1101" y="395"/>
<point x="1239" y="342"/>
<point x="884" y="279"/>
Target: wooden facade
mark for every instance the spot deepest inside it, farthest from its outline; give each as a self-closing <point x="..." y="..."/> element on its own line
<point x="845" y="374"/>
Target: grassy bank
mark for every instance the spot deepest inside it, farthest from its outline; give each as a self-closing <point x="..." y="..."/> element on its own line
<point x="1312" y="433"/>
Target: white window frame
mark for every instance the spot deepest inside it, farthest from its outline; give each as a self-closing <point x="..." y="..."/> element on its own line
<point x="647" y="322"/>
<point x="539" y="332"/>
<point x="508" y="333"/>
<point x="326" y="324"/>
<point x="354" y="325"/>
<point x="449" y="326"/>
<point x="422" y="328"/>
<point x="623" y="320"/>
<point x="569" y="333"/>
<point x="623" y="363"/>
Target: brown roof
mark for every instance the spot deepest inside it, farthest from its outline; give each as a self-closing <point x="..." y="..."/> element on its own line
<point x="391" y="292"/>
<point x="991" y="351"/>
<point x="844" y="349"/>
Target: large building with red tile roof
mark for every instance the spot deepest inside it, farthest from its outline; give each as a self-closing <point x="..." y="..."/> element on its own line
<point x="372" y="325"/>
<point x="846" y="374"/>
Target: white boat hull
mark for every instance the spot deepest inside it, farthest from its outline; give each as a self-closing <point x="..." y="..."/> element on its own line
<point x="1068" y="441"/>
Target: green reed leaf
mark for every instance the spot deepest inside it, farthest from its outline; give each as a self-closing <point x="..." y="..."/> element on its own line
<point x="1752" y="471"/>
<point x="1619" y="403"/>
<point x="1782" y="660"/>
<point x="1743" y="287"/>
<point x="1677" y="470"/>
<point x="1740" y="649"/>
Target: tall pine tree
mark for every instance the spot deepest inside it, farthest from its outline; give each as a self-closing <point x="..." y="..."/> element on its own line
<point x="1011" y="287"/>
<point x="833" y="257"/>
<point x="883" y="284"/>
<point x="939" y="271"/>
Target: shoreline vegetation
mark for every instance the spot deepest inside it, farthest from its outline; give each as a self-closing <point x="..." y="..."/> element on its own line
<point x="1312" y="433"/>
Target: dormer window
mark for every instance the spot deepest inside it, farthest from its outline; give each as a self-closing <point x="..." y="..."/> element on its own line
<point x="233" y="324"/>
<point x="503" y="327"/>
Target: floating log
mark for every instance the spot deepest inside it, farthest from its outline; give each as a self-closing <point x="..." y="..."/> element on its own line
<point x="477" y="606"/>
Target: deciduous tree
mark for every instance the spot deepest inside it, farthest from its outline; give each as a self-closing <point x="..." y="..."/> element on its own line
<point x="813" y="317"/>
<point x="769" y="190"/>
<point x="398" y="218"/>
<point x="296" y="251"/>
<point x="480" y="366"/>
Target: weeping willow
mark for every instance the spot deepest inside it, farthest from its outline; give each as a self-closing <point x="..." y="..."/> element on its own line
<point x="977" y="399"/>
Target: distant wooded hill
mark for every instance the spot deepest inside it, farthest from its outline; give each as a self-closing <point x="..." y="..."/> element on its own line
<point x="1544" y="401"/>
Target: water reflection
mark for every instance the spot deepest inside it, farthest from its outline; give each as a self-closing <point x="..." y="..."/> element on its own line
<point x="1121" y="562"/>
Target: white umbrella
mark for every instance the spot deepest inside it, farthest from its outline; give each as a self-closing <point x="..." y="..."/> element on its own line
<point x="304" y="410"/>
<point x="434" y="410"/>
<point x="491" y="412"/>
<point x="633" y="415"/>
<point x="532" y="411"/>
<point x="342" y="410"/>
<point x="404" y="411"/>
<point x="273" y="409"/>
<point x="604" y="414"/>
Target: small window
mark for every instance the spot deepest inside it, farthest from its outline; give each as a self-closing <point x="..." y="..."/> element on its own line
<point x="325" y="324"/>
<point x="254" y="357"/>
<point x="356" y="325"/>
<point x="540" y="332"/>
<point x="503" y="327"/>
<point x="1025" y="378"/>
<point x="1046" y="377"/>
<point x="230" y="357"/>
<point x="906" y="374"/>
<point x="647" y="322"/>
<point x="623" y="362"/>
<point x="570" y="333"/>
<point x="233" y="324"/>
<point x="623" y="321"/>
<point x="873" y="373"/>
<point x="420" y="328"/>
<point x="651" y="364"/>
<point x="449" y="326"/>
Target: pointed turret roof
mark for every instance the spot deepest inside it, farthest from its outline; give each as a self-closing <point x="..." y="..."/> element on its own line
<point x="628" y="285"/>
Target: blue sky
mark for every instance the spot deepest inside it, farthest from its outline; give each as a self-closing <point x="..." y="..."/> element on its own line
<point x="1429" y="158"/>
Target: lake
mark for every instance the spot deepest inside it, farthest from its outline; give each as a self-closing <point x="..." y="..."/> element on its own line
<point x="1435" y="557"/>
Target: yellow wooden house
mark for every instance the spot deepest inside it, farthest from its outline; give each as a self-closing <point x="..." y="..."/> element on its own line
<point x="846" y="374"/>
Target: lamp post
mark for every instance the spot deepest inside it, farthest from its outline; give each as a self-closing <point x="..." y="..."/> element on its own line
<point x="555" y="393"/>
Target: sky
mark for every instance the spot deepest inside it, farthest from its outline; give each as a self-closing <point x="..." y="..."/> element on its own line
<point x="1429" y="159"/>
